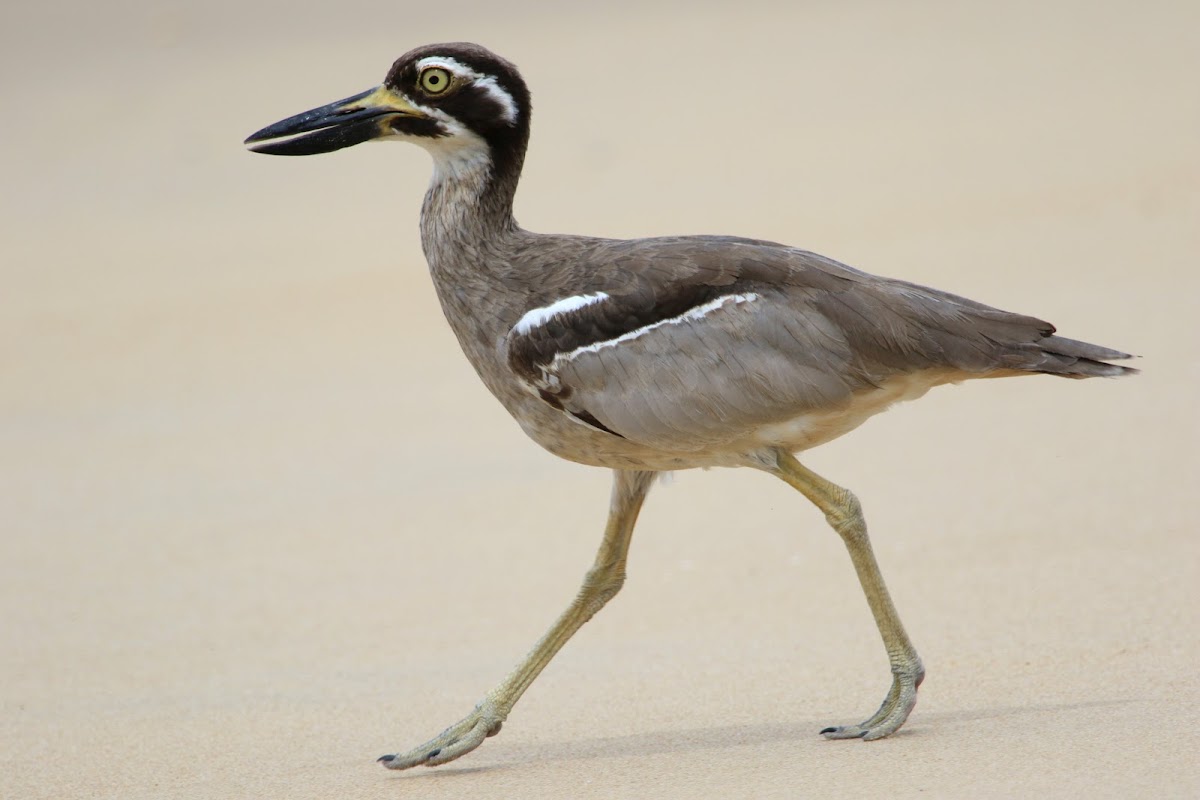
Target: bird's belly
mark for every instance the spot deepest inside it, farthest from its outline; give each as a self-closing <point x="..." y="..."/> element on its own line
<point x="576" y="441"/>
<point x="818" y="426"/>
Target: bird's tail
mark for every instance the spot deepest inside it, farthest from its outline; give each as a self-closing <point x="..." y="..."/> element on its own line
<point x="1070" y="358"/>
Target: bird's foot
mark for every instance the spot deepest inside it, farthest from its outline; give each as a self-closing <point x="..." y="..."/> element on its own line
<point x="457" y="740"/>
<point x="891" y="715"/>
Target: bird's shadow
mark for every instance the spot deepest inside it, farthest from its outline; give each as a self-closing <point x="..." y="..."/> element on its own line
<point x="719" y="737"/>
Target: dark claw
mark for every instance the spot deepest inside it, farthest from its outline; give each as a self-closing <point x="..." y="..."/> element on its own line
<point x="828" y="730"/>
<point x="385" y="759"/>
<point x="434" y="753"/>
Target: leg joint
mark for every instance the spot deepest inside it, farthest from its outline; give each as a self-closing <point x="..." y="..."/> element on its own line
<point x="846" y="516"/>
<point x="601" y="584"/>
<point x="909" y="667"/>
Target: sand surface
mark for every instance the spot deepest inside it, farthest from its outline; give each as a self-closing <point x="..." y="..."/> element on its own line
<point x="260" y="523"/>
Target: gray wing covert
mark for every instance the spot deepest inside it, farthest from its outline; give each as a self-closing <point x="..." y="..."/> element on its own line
<point x="695" y="355"/>
<point x="712" y="375"/>
<point x="684" y="344"/>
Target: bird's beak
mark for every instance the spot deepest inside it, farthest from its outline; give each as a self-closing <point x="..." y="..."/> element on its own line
<point x="345" y="123"/>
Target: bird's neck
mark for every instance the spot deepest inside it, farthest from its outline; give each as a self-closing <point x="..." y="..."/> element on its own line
<point x="468" y="233"/>
<point x="470" y="196"/>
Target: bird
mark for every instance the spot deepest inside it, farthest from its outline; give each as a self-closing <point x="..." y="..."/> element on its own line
<point x="647" y="356"/>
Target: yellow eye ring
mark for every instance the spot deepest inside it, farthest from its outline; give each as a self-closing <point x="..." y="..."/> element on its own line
<point x="434" y="80"/>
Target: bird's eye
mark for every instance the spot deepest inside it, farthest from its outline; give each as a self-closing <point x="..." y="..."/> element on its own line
<point x="435" y="80"/>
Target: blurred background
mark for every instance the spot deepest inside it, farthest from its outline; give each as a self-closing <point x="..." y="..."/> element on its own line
<point x="259" y="521"/>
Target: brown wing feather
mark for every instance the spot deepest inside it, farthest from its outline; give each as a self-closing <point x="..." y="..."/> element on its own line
<point x="816" y="334"/>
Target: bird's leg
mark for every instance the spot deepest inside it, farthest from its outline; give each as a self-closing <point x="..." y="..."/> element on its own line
<point x="602" y="581"/>
<point x="842" y="510"/>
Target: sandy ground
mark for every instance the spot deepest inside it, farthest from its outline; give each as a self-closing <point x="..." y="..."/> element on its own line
<point x="260" y="522"/>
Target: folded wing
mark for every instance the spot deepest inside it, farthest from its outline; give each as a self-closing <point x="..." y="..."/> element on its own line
<point x="737" y="335"/>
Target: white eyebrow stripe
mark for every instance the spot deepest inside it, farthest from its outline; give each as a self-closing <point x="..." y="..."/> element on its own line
<point x="691" y="315"/>
<point x="540" y="316"/>
<point x="485" y="82"/>
<point x="503" y="98"/>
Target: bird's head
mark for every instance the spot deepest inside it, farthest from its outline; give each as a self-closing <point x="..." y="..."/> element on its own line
<point x="459" y="101"/>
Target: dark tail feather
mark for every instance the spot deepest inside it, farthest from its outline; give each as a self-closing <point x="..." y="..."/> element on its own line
<point x="1074" y="359"/>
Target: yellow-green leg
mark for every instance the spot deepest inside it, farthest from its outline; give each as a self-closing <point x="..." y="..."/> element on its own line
<point x="602" y="581"/>
<point x="842" y="510"/>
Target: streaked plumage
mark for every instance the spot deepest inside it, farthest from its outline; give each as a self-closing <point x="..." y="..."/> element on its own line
<point x="666" y="353"/>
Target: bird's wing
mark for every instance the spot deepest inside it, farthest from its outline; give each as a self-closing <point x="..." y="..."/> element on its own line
<point x="683" y="344"/>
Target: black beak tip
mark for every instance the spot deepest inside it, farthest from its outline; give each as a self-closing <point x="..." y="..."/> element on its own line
<point x="257" y="136"/>
<point x="264" y="137"/>
<point x="257" y="143"/>
<point x="260" y="142"/>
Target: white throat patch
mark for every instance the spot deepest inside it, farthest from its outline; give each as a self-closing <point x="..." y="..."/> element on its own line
<point x="460" y="153"/>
